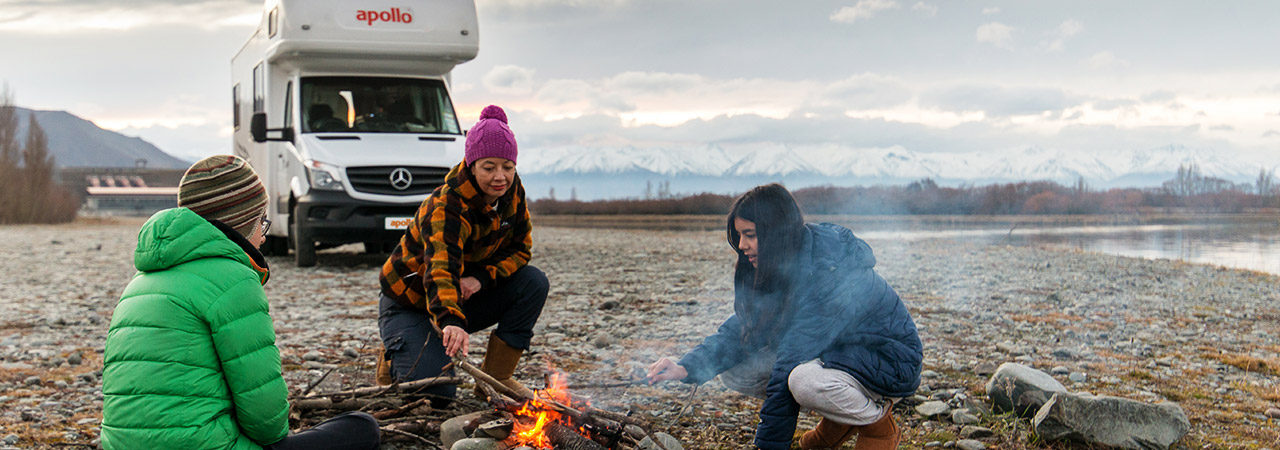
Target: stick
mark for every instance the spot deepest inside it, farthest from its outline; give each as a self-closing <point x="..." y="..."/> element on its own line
<point x="387" y="414"/>
<point x="379" y="390"/>
<point x="406" y="433"/>
<point x="316" y="382"/>
<point x="349" y="404"/>
<point x="480" y="376"/>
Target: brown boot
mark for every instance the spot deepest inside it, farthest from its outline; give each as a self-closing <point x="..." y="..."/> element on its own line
<point x="500" y="362"/>
<point x="383" y="369"/>
<point x="828" y="434"/>
<point x="883" y="434"/>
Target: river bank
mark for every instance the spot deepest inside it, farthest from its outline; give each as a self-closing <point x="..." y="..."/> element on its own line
<point x="1202" y="336"/>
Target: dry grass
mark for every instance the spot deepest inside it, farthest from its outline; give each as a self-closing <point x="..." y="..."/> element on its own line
<point x="1047" y="318"/>
<point x="1248" y="363"/>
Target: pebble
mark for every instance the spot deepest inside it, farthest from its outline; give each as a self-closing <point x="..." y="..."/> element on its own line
<point x="960" y="417"/>
<point x="11" y="439"/>
<point x="75" y="359"/>
<point x="32" y="381"/>
<point x="970" y="444"/>
<point x="1273" y="413"/>
<point x="1077" y="377"/>
<point x="350" y="353"/>
<point x="974" y="432"/>
<point x="313" y="356"/>
<point x="932" y="408"/>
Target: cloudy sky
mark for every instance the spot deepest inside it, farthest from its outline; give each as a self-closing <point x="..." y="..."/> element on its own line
<point x="927" y="75"/>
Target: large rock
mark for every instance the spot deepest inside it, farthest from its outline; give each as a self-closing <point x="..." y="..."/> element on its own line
<point x="668" y="442"/>
<point x="1111" y="421"/>
<point x="1019" y="388"/>
<point x="460" y="427"/>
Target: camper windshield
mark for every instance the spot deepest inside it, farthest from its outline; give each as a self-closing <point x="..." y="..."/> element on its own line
<point x="376" y="105"/>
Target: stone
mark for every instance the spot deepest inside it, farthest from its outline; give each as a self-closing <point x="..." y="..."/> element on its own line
<point x="32" y="381"/>
<point x="608" y="304"/>
<point x="312" y="365"/>
<point x="1077" y="377"/>
<point x="1273" y="413"/>
<point x="312" y="356"/>
<point x="928" y="374"/>
<point x="87" y="421"/>
<point x="970" y="444"/>
<point x="668" y="442"/>
<point x="932" y="408"/>
<point x="454" y="429"/>
<point x="1111" y="421"/>
<point x="1021" y="389"/>
<point x="495" y="429"/>
<point x="984" y="369"/>
<point x="350" y="353"/>
<point x="975" y="432"/>
<point x="478" y="444"/>
<point x="75" y="359"/>
<point x="963" y="417"/>
<point x="602" y="340"/>
<point x="11" y="439"/>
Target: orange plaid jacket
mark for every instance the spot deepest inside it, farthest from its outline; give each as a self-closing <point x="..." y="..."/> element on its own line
<point x="455" y="234"/>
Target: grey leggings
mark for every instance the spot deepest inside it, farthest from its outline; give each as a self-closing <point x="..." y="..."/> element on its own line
<point x="831" y="393"/>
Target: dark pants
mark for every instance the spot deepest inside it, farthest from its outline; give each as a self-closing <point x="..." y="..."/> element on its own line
<point x="346" y="431"/>
<point x="513" y="303"/>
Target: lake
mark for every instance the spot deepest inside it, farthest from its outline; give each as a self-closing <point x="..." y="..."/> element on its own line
<point x="1253" y="246"/>
<point x="1244" y="241"/>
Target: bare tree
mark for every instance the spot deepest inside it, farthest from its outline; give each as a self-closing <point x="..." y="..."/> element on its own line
<point x="37" y="172"/>
<point x="9" y="182"/>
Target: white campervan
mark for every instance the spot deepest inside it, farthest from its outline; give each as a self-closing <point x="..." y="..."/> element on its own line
<point x="343" y="108"/>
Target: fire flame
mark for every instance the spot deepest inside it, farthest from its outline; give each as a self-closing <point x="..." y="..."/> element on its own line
<point x="542" y="413"/>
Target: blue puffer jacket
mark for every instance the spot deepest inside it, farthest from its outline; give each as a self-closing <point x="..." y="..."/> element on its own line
<point x="843" y="313"/>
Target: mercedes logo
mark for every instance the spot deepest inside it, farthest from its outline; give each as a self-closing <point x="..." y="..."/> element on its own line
<point x="401" y="179"/>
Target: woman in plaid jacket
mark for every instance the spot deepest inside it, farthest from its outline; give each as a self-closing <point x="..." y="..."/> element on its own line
<point x="463" y="266"/>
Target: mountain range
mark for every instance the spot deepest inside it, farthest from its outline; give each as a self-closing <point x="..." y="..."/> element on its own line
<point x="588" y="173"/>
<point x="76" y="142"/>
<point x="594" y="172"/>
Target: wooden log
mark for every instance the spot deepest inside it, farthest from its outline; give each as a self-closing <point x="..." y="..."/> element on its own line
<point x="565" y="438"/>
<point x="482" y="377"/>
<point x="348" y="404"/>
<point x="395" y="388"/>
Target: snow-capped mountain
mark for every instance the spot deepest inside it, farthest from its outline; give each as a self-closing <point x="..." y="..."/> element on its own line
<point x="625" y="172"/>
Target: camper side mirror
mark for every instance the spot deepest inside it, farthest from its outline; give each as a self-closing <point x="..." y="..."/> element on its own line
<point x="258" y="129"/>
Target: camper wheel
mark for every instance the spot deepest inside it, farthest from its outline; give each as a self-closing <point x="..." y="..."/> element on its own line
<point x="304" y="248"/>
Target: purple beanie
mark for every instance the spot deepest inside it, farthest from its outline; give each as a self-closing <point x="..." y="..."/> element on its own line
<point x="491" y="137"/>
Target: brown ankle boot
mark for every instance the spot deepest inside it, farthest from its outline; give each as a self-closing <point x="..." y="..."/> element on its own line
<point x="500" y="362"/>
<point x="882" y="434"/>
<point x="827" y="434"/>
<point x="383" y="369"/>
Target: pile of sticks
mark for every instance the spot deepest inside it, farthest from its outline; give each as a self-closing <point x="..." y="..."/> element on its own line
<point x="406" y="415"/>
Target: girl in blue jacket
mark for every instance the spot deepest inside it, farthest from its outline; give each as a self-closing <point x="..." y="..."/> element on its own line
<point x="814" y="326"/>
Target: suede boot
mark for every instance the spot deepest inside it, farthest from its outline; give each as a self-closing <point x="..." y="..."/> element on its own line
<point x="500" y="362"/>
<point x="828" y="434"/>
<point x="383" y="369"/>
<point x="882" y="434"/>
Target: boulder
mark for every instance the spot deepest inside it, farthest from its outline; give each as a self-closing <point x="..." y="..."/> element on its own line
<point x="455" y="429"/>
<point x="1019" y="388"/>
<point x="479" y="444"/>
<point x="669" y="442"/>
<point x="1111" y="421"/>
<point x="933" y="408"/>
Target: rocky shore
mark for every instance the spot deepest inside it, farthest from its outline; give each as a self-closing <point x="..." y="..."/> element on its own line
<point x="1204" y="337"/>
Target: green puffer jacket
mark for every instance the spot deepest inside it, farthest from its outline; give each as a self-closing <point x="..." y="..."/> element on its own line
<point x="190" y="359"/>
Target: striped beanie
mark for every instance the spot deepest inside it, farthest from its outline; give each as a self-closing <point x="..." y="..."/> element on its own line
<point x="226" y="189"/>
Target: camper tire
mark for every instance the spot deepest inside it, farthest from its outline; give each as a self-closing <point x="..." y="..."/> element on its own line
<point x="304" y="248"/>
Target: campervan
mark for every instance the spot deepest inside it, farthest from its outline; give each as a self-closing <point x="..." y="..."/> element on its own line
<point x="343" y="109"/>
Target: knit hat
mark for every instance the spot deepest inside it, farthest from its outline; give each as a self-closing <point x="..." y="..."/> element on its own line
<point x="226" y="189"/>
<point x="491" y="137"/>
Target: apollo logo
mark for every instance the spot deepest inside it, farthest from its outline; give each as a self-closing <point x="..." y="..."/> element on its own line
<point x="393" y="15"/>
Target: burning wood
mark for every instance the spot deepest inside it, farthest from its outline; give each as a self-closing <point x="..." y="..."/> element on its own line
<point x="554" y="419"/>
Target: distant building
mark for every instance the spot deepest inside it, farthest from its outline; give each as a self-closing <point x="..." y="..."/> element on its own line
<point x="122" y="191"/>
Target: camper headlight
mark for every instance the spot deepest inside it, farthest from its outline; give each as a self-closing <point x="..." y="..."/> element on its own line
<point x="324" y="176"/>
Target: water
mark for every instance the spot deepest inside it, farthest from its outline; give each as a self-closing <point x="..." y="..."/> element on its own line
<point x="1252" y="246"/>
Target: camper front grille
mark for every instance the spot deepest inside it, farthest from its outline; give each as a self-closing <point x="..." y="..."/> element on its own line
<point x="378" y="179"/>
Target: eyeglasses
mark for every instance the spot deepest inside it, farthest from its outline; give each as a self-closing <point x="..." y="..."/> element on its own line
<point x="266" y="224"/>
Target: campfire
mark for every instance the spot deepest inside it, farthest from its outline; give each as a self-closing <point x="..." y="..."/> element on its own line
<point x="556" y="419"/>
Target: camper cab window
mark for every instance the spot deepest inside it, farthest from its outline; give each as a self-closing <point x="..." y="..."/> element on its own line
<point x="376" y="105"/>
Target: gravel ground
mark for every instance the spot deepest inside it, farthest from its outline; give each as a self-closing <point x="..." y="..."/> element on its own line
<point x="1203" y="336"/>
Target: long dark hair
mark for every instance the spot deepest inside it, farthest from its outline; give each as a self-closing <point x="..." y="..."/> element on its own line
<point x="779" y="234"/>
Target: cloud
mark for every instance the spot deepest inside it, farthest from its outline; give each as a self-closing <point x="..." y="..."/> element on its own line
<point x="1271" y="133"/>
<point x="1064" y="31"/>
<point x="1222" y="128"/>
<point x="508" y="79"/>
<point x="865" y="91"/>
<point x="53" y="17"/>
<point x="1158" y="96"/>
<point x="653" y="82"/>
<point x="997" y="34"/>
<point x="990" y="11"/>
<point x="1112" y="104"/>
<point x="864" y="9"/>
<point x="931" y="10"/>
<point x="1105" y="60"/>
<point x="996" y="101"/>
<point x="550" y="3"/>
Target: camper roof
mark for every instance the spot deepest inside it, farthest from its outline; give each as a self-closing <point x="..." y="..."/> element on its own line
<point x="430" y="36"/>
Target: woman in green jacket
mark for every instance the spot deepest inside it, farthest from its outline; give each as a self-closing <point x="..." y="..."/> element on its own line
<point x="190" y="359"/>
